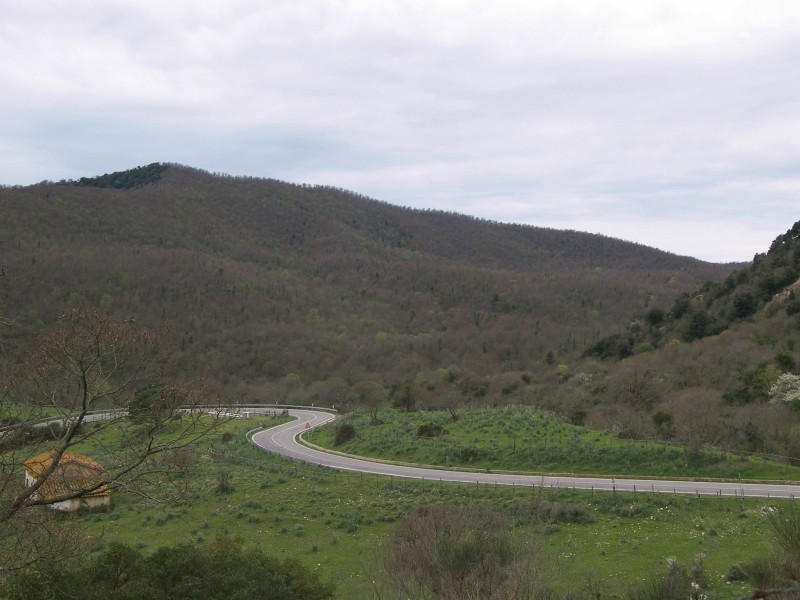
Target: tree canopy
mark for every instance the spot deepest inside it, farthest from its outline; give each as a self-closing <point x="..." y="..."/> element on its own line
<point x="221" y="571"/>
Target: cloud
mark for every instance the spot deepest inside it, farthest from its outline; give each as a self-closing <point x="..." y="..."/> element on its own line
<point x="637" y="120"/>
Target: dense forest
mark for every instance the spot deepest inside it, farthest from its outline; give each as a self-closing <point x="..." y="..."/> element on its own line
<point x="718" y="366"/>
<point x="297" y="293"/>
<point x="263" y="280"/>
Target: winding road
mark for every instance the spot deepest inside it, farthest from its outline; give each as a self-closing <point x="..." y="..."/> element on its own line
<point x="283" y="440"/>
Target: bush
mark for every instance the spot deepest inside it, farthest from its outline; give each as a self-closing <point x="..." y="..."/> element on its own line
<point x="224" y="481"/>
<point x="343" y="433"/>
<point x="222" y="570"/>
<point x="453" y="552"/>
<point x="540" y="511"/>
<point x="469" y="454"/>
<point x="785" y="528"/>
<point x="430" y="430"/>
<point x="737" y="572"/>
<point x="677" y="582"/>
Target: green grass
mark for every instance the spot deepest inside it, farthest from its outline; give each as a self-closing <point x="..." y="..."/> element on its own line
<point x="524" y="439"/>
<point x="335" y="523"/>
<point x="633" y="539"/>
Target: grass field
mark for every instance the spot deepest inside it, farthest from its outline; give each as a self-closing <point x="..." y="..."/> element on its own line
<point x="336" y="523"/>
<point x="525" y="439"/>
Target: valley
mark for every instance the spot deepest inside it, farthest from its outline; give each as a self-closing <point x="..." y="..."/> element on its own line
<point x="581" y="388"/>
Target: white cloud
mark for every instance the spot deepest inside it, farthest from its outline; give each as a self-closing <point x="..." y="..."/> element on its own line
<point x="617" y="117"/>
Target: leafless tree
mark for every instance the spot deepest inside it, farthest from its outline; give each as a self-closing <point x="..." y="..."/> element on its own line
<point x="461" y="552"/>
<point x="91" y="363"/>
<point x="451" y="401"/>
<point x="372" y="397"/>
<point x="698" y="421"/>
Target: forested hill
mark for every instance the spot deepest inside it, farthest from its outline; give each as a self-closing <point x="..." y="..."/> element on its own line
<point x="767" y="285"/>
<point x="720" y="365"/>
<point x="230" y="213"/>
<point x="276" y="288"/>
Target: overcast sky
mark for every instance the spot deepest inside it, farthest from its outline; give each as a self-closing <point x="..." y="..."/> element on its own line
<point x="674" y="124"/>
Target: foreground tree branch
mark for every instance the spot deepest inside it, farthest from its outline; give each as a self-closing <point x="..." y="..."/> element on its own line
<point x="73" y="395"/>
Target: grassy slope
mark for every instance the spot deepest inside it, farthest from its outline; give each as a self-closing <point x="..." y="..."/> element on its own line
<point x="525" y="439"/>
<point x="334" y="522"/>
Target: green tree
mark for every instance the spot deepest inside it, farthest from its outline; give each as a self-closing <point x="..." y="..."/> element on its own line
<point x="655" y="317"/>
<point x="698" y="326"/>
<point x="222" y="571"/>
<point x="744" y="305"/>
<point x="764" y="378"/>
<point x="665" y="424"/>
<point x="147" y="401"/>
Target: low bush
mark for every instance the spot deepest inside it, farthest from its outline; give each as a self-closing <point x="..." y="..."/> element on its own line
<point x="343" y="433"/>
<point x="224" y="481"/>
<point x="430" y="430"/>
<point x="220" y="570"/>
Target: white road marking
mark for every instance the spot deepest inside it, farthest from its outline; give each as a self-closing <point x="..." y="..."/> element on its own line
<point x="282" y="440"/>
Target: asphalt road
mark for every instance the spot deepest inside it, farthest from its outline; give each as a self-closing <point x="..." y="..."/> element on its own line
<point x="282" y="440"/>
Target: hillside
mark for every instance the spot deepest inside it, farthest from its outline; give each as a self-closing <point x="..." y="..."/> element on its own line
<point x="301" y="292"/>
<point x="702" y="368"/>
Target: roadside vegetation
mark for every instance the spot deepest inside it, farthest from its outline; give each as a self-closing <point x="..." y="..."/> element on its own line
<point x="530" y="440"/>
<point x="339" y="525"/>
<point x="313" y="295"/>
<point x="218" y="571"/>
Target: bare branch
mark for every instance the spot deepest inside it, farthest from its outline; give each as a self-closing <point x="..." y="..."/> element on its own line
<point x="91" y="363"/>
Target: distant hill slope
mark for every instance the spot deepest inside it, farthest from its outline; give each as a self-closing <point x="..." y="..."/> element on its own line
<point x="767" y="285"/>
<point x="705" y="368"/>
<point x="283" y="289"/>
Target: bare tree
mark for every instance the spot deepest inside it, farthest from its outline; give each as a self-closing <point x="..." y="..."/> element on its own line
<point x="461" y="552"/>
<point x="698" y="418"/>
<point x="372" y="396"/>
<point x="451" y="401"/>
<point x="91" y="363"/>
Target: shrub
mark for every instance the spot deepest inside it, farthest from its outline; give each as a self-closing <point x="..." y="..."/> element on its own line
<point x="762" y="571"/>
<point x="344" y="433"/>
<point x="785" y="528"/>
<point x="452" y="552"/>
<point x="469" y="454"/>
<point x="736" y="573"/>
<point x="220" y="570"/>
<point x="224" y="481"/>
<point x="430" y="430"/>
<point x="677" y="582"/>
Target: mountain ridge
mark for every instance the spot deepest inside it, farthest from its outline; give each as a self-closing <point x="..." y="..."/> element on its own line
<point x="264" y="228"/>
<point x="552" y="238"/>
<point x="267" y="283"/>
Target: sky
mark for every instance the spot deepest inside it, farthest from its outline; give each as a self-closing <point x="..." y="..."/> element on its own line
<point x="669" y="123"/>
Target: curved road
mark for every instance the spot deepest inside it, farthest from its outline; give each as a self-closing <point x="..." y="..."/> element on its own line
<point x="283" y="440"/>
